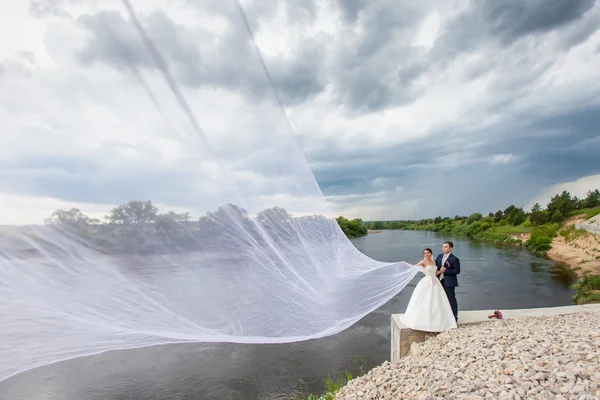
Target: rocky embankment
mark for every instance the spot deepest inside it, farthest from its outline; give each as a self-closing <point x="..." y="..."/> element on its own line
<point x="556" y="357"/>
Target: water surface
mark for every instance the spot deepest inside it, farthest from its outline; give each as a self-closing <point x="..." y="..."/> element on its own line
<point x="491" y="278"/>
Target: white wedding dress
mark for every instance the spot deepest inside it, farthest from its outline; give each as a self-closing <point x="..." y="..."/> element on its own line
<point x="428" y="308"/>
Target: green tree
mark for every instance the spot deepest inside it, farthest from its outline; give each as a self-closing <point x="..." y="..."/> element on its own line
<point x="518" y="217"/>
<point x="134" y="212"/>
<point x="498" y="216"/>
<point x="557" y="216"/>
<point x="274" y="215"/>
<point x="73" y="217"/>
<point x="538" y="216"/>
<point x="591" y="200"/>
<point x="377" y="225"/>
<point x="171" y="219"/>
<point x="171" y="229"/>
<point x="562" y="202"/>
<point x="510" y="210"/>
<point x="353" y="228"/>
<point x="474" y="217"/>
<point x="513" y="215"/>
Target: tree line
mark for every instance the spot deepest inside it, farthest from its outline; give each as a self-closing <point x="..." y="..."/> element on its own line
<point x="138" y="227"/>
<point x="503" y="226"/>
<point x="133" y="212"/>
<point x="560" y="207"/>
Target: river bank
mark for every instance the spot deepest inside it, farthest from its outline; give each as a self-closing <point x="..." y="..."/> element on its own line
<point x="577" y="251"/>
<point x="554" y="357"/>
<point x="578" y="248"/>
<point x="508" y="279"/>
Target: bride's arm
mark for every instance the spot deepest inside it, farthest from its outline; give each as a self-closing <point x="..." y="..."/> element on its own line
<point x="420" y="265"/>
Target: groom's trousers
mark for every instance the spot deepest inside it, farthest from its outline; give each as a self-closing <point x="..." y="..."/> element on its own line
<point x="450" y="293"/>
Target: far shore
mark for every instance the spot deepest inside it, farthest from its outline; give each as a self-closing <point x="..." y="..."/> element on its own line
<point x="581" y="253"/>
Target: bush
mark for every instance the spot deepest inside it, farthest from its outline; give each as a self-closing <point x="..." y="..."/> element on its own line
<point x="548" y="230"/>
<point x="589" y="282"/>
<point x="474" y="217"/>
<point x="587" y="290"/>
<point x="540" y="241"/>
<point x="478" y="227"/>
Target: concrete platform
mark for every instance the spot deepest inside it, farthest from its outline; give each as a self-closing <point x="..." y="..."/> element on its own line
<point x="403" y="337"/>
<point x="592" y="227"/>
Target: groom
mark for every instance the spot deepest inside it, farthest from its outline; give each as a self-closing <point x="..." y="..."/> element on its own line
<point x="449" y="266"/>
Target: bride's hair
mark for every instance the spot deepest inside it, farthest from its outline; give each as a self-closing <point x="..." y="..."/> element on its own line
<point x="428" y="249"/>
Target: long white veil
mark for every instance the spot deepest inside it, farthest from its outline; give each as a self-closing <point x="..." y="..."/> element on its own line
<point x="215" y="228"/>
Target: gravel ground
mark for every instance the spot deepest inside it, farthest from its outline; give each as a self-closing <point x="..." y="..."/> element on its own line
<point x="555" y="357"/>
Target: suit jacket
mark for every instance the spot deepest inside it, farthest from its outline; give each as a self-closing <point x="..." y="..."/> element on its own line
<point x="452" y="269"/>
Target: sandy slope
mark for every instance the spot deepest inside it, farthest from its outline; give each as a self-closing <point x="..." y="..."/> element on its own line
<point x="583" y="252"/>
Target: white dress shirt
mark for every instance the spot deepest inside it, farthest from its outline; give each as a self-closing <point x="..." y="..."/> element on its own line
<point x="444" y="259"/>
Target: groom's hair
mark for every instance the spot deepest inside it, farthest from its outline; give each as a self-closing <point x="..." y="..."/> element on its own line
<point x="450" y="244"/>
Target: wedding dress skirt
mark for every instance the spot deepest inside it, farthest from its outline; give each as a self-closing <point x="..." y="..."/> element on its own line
<point x="428" y="308"/>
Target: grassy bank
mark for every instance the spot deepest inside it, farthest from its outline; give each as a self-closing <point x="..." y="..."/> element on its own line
<point x="537" y="237"/>
<point x="588" y="290"/>
<point x="333" y="386"/>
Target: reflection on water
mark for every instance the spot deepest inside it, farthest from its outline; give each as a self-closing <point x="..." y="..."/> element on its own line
<point x="564" y="274"/>
<point x="491" y="278"/>
<point x="537" y="266"/>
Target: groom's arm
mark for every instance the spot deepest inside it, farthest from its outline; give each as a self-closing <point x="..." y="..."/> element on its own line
<point x="455" y="270"/>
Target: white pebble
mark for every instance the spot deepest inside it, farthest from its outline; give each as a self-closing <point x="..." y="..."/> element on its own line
<point x="554" y="357"/>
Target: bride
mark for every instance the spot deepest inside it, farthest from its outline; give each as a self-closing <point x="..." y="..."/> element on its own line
<point x="428" y="309"/>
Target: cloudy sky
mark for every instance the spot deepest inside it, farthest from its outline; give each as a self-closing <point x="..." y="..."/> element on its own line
<point x="397" y="109"/>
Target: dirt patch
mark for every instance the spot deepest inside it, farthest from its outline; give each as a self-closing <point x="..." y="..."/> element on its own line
<point x="523" y="237"/>
<point x="583" y="252"/>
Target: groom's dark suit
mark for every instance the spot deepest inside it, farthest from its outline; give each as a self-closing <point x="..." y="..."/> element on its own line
<point x="450" y="280"/>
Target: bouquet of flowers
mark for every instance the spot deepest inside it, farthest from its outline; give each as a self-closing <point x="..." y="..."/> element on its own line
<point x="496" y="314"/>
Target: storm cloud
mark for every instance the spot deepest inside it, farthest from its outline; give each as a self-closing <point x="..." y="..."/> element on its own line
<point x="401" y="110"/>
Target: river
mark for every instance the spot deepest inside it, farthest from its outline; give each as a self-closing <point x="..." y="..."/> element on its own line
<point x="491" y="278"/>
